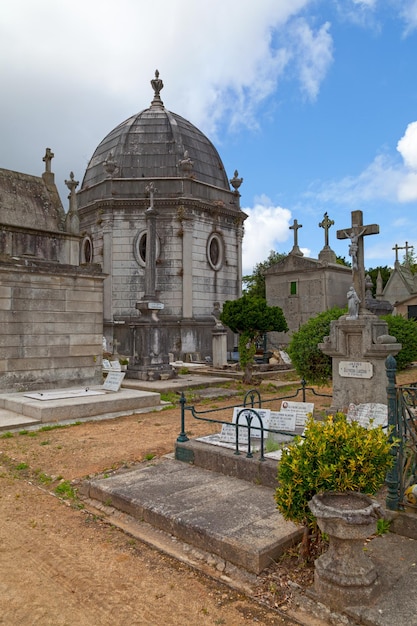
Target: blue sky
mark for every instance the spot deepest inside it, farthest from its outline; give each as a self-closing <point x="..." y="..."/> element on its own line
<point x="314" y="102"/>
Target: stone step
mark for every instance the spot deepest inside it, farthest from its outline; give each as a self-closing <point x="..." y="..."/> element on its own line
<point x="224" y="461"/>
<point x="223" y="515"/>
<point x="10" y="420"/>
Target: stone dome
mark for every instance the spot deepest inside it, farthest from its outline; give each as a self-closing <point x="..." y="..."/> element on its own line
<point x="156" y="143"/>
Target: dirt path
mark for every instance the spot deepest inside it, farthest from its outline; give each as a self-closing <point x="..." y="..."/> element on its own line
<point x="61" y="565"/>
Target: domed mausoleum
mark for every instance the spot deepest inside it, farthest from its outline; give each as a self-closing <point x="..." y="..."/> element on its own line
<point x="158" y="212"/>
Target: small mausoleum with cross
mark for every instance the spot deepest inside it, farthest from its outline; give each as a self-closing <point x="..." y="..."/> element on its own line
<point x="304" y="287"/>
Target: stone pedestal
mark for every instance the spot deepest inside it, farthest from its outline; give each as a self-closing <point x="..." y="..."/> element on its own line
<point x="358" y="348"/>
<point x="149" y="362"/>
<point x="344" y="575"/>
<point x="219" y="344"/>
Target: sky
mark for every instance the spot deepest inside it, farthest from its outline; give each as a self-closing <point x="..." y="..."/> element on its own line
<point x="313" y="102"/>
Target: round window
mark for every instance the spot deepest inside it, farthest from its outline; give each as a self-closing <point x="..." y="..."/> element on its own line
<point x="87" y="250"/>
<point x="215" y="251"/>
<point x="139" y="247"/>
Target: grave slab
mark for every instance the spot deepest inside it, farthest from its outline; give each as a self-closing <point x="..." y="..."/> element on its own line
<point x="221" y="514"/>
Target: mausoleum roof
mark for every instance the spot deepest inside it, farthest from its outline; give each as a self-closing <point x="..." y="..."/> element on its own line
<point x="156" y="143"/>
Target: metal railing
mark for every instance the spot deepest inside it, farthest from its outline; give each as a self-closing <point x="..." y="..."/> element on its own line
<point x="402" y="419"/>
<point x="249" y="411"/>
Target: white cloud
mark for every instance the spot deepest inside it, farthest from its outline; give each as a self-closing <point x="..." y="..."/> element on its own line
<point x="314" y="54"/>
<point x="380" y="180"/>
<point x="266" y="226"/>
<point x="384" y="179"/>
<point x="409" y="15"/>
<point x="407" y="146"/>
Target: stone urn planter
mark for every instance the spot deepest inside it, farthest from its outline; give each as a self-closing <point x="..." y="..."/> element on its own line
<point x="344" y="575"/>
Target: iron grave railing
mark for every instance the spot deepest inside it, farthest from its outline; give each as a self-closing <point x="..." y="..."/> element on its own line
<point x="402" y="419"/>
<point x="246" y="418"/>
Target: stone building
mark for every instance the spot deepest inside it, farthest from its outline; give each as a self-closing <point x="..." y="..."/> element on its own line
<point x="51" y="323"/>
<point x="401" y="287"/>
<point x="304" y="287"/>
<point x="158" y="213"/>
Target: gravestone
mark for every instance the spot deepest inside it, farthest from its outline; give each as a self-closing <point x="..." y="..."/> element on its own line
<point x="359" y="342"/>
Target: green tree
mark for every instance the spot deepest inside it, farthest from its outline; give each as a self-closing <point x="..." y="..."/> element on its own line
<point x="410" y="261"/>
<point x="251" y="317"/>
<point x="405" y="332"/>
<point x="308" y="360"/>
<point x="254" y="284"/>
<point x="341" y="260"/>
<point x="373" y="273"/>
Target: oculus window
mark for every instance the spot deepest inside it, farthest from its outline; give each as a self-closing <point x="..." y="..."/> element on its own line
<point x="215" y="251"/>
<point x="139" y="247"/>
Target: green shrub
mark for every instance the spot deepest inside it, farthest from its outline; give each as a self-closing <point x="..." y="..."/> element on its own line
<point x="310" y="362"/>
<point x="405" y="331"/>
<point x="333" y="455"/>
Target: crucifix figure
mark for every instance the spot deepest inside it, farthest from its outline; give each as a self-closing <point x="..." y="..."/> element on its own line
<point x="295" y="227"/>
<point x="356" y="250"/>
<point x="326" y="224"/>
<point x="49" y="155"/>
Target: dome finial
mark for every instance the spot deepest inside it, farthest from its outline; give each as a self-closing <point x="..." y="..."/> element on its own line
<point x="157" y="85"/>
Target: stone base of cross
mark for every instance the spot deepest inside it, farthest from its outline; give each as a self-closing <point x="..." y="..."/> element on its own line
<point x="356" y="233"/>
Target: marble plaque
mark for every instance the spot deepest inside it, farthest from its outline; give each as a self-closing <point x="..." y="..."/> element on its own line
<point x="113" y="381"/>
<point x="356" y="369"/>
<point x="300" y="410"/>
<point x="369" y="415"/>
<point x="247" y="412"/>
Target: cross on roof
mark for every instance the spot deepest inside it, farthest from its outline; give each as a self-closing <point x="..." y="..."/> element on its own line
<point x="49" y="155"/>
<point x="356" y="234"/>
<point x="326" y="223"/>
<point x="295" y="227"/>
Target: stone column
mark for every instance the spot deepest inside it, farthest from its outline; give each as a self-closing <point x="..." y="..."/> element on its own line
<point x="187" y="268"/>
<point x="107" y="269"/>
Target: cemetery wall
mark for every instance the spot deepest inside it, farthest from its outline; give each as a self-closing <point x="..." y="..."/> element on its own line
<point x="51" y="325"/>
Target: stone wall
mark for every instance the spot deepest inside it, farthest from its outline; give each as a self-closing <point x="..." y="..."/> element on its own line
<point x="52" y="325"/>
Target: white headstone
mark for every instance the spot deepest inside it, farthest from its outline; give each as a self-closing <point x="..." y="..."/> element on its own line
<point x="300" y="410"/>
<point x="369" y="415"/>
<point x="228" y="434"/>
<point x="246" y="413"/>
<point x="113" y="381"/>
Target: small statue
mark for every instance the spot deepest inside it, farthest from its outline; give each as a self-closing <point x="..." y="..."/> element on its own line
<point x="353" y="304"/>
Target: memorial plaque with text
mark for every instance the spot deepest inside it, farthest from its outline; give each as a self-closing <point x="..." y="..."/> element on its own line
<point x="113" y="381"/>
<point x="355" y="369"/>
<point x="300" y="410"/>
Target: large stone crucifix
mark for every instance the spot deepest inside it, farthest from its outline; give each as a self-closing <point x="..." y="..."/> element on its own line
<point x="356" y="234"/>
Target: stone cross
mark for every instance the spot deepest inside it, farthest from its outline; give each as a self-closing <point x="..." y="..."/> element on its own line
<point x="396" y="248"/>
<point x="407" y="248"/>
<point x="295" y="227"/>
<point x="356" y="250"/>
<point x="49" y="155"/>
<point x="326" y="224"/>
